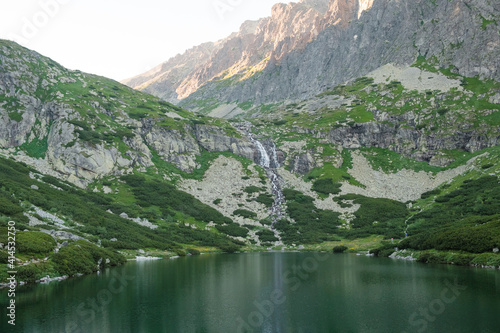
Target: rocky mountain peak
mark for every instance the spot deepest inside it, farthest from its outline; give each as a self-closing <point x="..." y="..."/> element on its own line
<point x="319" y="5"/>
<point x="342" y="12"/>
<point x="245" y="53"/>
<point x="249" y="27"/>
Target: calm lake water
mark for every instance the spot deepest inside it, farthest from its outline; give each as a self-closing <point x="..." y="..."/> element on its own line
<point x="265" y="292"/>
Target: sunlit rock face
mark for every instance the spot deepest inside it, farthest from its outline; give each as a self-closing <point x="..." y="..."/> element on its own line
<point x="306" y="47"/>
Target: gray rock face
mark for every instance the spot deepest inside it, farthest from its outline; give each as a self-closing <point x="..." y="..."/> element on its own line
<point x="164" y="79"/>
<point x="409" y="141"/>
<point x="461" y="34"/>
<point x="303" y="163"/>
<point x="290" y="27"/>
<point x="212" y="138"/>
<point x="48" y="129"/>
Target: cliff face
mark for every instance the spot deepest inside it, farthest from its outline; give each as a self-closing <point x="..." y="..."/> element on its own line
<point x="81" y="127"/>
<point x="312" y="48"/>
<point x="242" y="54"/>
<point x="164" y="79"/>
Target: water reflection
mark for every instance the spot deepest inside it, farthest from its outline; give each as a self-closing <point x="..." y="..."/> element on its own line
<point x="266" y="292"/>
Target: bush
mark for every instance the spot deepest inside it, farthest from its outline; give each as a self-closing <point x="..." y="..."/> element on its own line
<point x="265" y="199"/>
<point x="384" y="250"/>
<point x="312" y="225"/>
<point x="252" y="189"/>
<point x="233" y="230"/>
<point x="430" y="193"/>
<point x="388" y="213"/>
<point x="83" y="257"/>
<point x="4" y="257"/>
<point x="229" y="248"/>
<point x="432" y="258"/>
<point x="9" y="208"/>
<point x="193" y="252"/>
<point x="155" y="193"/>
<point x="245" y="213"/>
<point x="28" y="273"/>
<point x="326" y="186"/>
<point x="339" y="249"/>
<point x="34" y="242"/>
<point x="72" y="260"/>
<point x="266" y="236"/>
<point x="487" y="259"/>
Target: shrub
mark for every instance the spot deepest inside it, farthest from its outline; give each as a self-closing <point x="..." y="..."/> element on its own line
<point x="245" y="213"/>
<point x="265" y="199"/>
<point x="9" y="208"/>
<point x="326" y="186"/>
<point x="193" y="252"/>
<point x="233" y="230"/>
<point x="252" y="189"/>
<point x="430" y="193"/>
<point x="72" y="260"/>
<point x="431" y="258"/>
<point x="155" y="193"/>
<point x="339" y="249"/>
<point x="377" y="209"/>
<point x="83" y="257"/>
<point x="266" y="236"/>
<point x="229" y="248"/>
<point x="384" y="250"/>
<point x="4" y="257"/>
<point x="28" y="273"/>
<point x="266" y="221"/>
<point x="34" y="242"/>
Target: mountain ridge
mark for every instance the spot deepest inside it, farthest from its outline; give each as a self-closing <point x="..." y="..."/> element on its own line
<point x="352" y="39"/>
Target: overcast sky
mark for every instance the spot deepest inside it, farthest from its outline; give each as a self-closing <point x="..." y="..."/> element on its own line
<point x="122" y="38"/>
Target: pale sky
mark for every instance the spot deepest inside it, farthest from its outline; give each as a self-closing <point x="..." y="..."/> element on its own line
<point x="122" y="38"/>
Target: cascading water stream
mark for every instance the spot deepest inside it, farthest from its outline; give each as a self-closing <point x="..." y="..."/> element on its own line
<point x="268" y="159"/>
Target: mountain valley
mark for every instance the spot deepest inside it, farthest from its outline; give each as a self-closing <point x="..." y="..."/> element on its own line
<point x="326" y="125"/>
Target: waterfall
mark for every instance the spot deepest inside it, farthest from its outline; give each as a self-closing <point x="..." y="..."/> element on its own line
<point x="264" y="159"/>
<point x="268" y="159"/>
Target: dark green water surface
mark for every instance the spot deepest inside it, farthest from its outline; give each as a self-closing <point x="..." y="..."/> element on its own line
<point x="265" y="292"/>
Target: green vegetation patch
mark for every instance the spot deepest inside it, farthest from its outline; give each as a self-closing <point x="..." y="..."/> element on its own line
<point x="167" y="197"/>
<point x="37" y="148"/>
<point x="266" y="236"/>
<point x="245" y="213"/>
<point x="16" y="116"/>
<point x="31" y="242"/>
<point x="312" y="225"/>
<point x="252" y="189"/>
<point x="376" y="216"/>
<point x="466" y="219"/>
<point x="389" y="161"/>
<point x="232" y="230"/>
<point x="265" y="199"/>
<point x="326" y="186"/>
<point x="82" y="257"/>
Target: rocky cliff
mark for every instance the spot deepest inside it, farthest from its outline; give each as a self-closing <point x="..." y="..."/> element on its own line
<point x="81" y="127"/>
<point x="325" y="46"/>
<point x="241" y="55"/>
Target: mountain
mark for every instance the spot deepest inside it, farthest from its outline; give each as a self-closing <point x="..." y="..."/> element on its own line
<point x="244" y="53"/>
<point x="349" y="40"/>
<point x="81" y="127"/>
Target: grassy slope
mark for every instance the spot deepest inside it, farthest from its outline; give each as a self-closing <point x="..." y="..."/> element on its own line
<point x="148" y="196"/>
<point x="452" y="111"/>
<point x="87" y="215"/>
